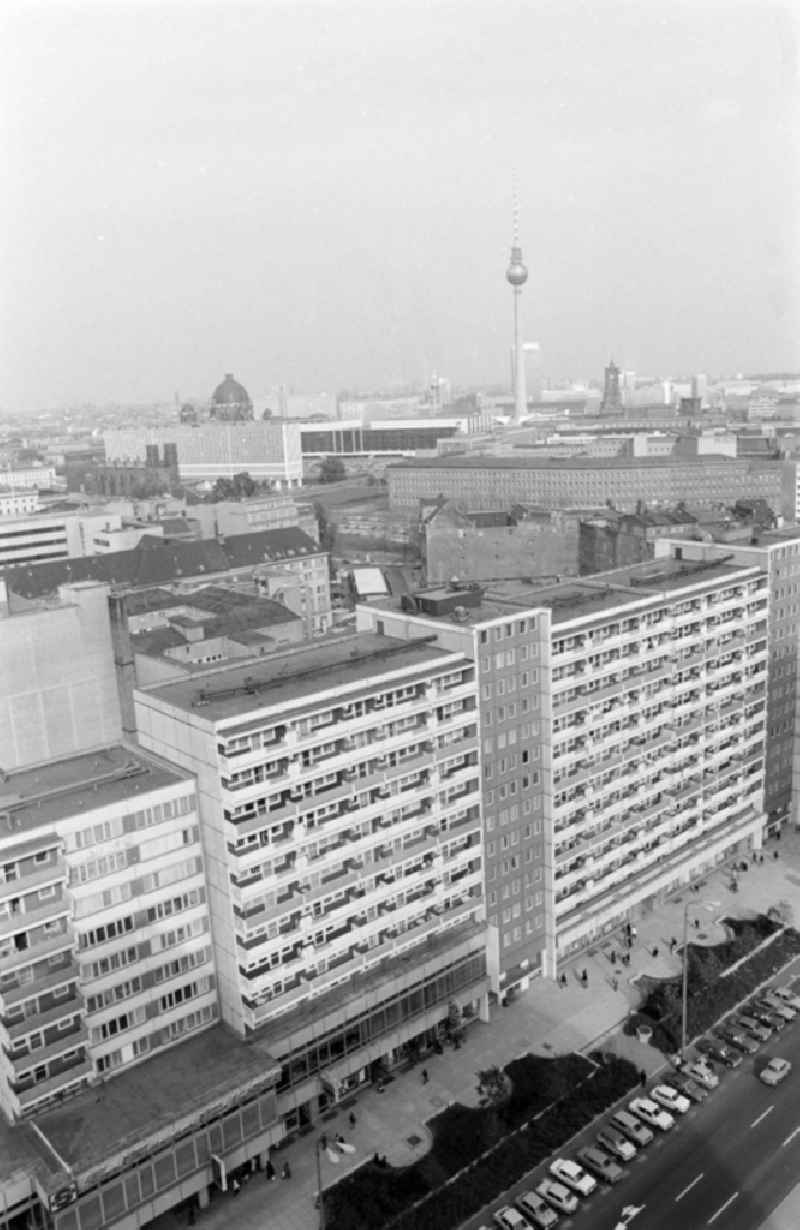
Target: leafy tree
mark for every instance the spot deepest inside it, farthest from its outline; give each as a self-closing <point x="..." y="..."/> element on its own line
<point x="332" y="470"/>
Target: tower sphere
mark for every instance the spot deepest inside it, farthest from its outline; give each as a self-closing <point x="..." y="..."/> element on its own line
<point x="517" y="273"/>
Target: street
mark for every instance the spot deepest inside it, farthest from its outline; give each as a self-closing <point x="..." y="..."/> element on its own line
<point x="727" y="1163"/>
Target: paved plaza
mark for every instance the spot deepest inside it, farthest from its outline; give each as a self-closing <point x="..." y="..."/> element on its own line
<point x="547" y="1020"/>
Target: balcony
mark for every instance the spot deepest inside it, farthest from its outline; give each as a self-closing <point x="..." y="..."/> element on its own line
<point x="78" y="1074"/>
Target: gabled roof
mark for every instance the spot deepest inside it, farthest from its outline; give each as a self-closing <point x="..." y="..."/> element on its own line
<point x="155" y="562"/>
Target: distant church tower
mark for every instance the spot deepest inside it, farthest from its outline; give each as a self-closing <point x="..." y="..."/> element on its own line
<point x="612" y="398"/>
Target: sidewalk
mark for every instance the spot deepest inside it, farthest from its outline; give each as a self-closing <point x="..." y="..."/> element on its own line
<point x="546" y="1020"/>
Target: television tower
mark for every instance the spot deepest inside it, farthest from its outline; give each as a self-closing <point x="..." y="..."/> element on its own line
<point x="517" y="276"/>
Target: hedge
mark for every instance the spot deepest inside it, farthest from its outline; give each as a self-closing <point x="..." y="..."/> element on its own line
<point x="709" y="995"/>
<point x="438" y="1192"/>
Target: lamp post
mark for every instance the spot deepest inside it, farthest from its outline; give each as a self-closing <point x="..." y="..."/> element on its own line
<point x="701" y="905"/>
<point x="320" y="1194"/>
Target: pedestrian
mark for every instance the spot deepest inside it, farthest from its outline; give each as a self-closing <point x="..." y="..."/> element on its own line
<point x="352" y="1120"/>
<point x="634" y="933"/>
<point x="286" y="1172"/>
<point x="643" y="1078"/>
<point x="775" y="854"/>
<point x="323" y="1141"/>
<point x="425" y="1077"/>
<point x="697" y="924"/>
<point x="673" y="944"/>
<point x="563" y="981"/>
<point x="585" y="978"/>
<point x="613" y="957"/>
<point x="655" y="952"/>
<point x="236" y="1185"/>
<point x="269" y="1171"/>
<point x="614" y="984"/>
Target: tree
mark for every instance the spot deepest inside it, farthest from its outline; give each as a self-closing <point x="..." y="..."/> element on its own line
<point x="493" y="1091"/>
<point x="332" y="470"/>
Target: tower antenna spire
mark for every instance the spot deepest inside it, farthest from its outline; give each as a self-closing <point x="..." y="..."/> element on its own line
<point x="517" y="276"/>
<point x="515" y="208"/>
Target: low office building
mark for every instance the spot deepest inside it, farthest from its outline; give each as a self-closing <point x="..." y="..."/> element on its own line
<point x="49" y="534"/>
<point x="267" y="451"/>
<point x="486" y="482"/>
<point x="339" y="795"/>
<point x="622" y="741"/>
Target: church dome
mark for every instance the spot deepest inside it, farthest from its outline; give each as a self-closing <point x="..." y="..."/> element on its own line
<point x="230" y="400"/>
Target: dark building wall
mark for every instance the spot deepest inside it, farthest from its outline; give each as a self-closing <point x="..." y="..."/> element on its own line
<point x="603" y="545"/>
<point x="475" y="553"/>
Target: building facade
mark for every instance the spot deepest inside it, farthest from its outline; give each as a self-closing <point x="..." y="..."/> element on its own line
<point x="486" y="482"/>
<point x="267" y="451"/>
<point x="777" y="554"/>
<point x="43" y="536"/>
<point x="105" y="954"/>
<point x="339" y="798"/>
<point x="622" y="742"/>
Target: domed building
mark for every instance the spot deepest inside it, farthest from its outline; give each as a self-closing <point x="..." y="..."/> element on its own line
<point x="230" y="402"/>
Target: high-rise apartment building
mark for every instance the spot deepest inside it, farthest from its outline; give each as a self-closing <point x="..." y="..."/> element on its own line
<point x="339" y="802"/>
<point x="622" y="723"/>
<point x="777" y="554"/>
<point x="105" y="954"/>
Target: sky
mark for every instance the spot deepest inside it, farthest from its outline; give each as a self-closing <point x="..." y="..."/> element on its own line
<point x="319" y="192"/>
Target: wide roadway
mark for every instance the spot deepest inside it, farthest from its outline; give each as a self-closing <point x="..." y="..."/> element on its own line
<point x="725" y="1164"/>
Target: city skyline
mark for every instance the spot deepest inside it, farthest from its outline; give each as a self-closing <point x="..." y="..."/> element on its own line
<point x="320" y="196"/>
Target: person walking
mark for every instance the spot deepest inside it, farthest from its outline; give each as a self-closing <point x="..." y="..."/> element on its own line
<point x="425" y="1077"/>
<point x="352" y="1120"/>
<point x="269" y="1171"/>
<point x="643" y="1078"/>
<point x="286" y="1172"/>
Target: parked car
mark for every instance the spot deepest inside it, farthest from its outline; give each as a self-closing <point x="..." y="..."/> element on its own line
<point x="538" y="1213"/>
<point x="689" y="1088"/>
<point x="776" y="1004"/>
<point x="775" y="1071"/>
<point x="766" y="1016"/>
<point x="509" y="1218"/>
<point x="719" y="1052"/>
<point x="751" y="1026"/>
<point x="600" y="1164"/>
<point x="742" y="1041"/>
<point x="671" y="1099"/>
<point x="702" y="1074"/>
<point x="632" y="1127"/>
<point x="618" y="1145"/>
<point x="654" y="1115"/>
<point x="559" y="1196"/>
<point x="573" y="1176"/>
<point x="788" y="996"/>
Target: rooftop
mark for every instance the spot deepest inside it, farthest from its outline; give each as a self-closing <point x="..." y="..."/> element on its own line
<point x="290" y="676"/>
<point x="63" y="788"/>
<point x="209" y="1070"/>
<point x="155" y="561"/>
<point x="483" y="461"/>
<point x="583" y="597"/>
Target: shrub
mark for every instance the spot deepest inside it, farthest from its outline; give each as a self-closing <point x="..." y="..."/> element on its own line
<point x="373" y="1198"/>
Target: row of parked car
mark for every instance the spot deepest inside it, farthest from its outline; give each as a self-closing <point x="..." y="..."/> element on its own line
<point x="629" y="1130"/>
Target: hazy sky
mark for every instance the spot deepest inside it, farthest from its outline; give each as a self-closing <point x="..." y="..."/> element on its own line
<point x="319" y="193"/>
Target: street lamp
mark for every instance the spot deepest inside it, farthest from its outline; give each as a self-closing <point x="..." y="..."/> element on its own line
<point x="701" y="905"/>
<point x="320" y="1194"/>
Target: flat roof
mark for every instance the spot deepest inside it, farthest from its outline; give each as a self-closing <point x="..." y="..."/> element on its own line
<point x="488" y="461"/>
<point x="581" y="597"/>
<point x="82" y="783"/>
<point x="289" y="676"/>
<point x="24" y="1157"/>
<point x="212" y="1068"/>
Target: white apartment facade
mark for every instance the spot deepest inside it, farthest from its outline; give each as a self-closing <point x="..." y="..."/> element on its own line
<point x="777" y="553"/>
<point x="339" y="798"/>
<point x="41" y="537"/>
<point x="632" y="734"/>
<point x="208" y="451"/>
<point x="105" y="951"/>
